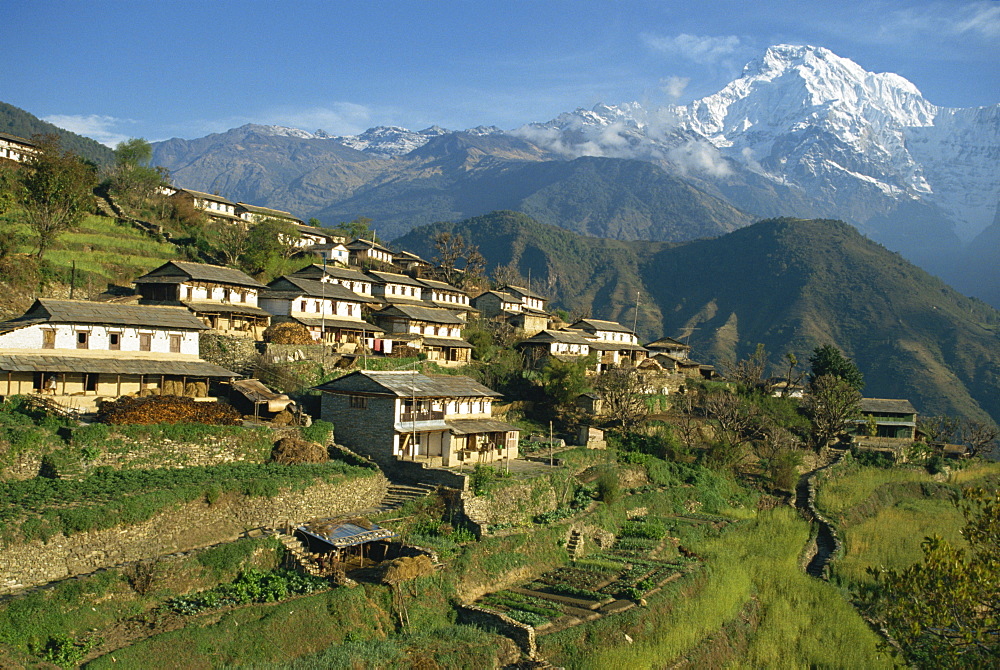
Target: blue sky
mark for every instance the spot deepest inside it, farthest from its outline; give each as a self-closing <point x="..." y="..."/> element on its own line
<point x="113" y="70"/>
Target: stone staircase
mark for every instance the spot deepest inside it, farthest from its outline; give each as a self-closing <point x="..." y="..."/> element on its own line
<point x="399" y="494"/>
<point x="305" y="558"/>
<point x="575" y="544"/>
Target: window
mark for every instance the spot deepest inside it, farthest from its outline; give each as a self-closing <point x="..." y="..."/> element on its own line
<point x="145" y="341"/>
<point x="90" y="383"/>
<point x="359" y="402"/>
<point x="48" y="339"/>
<point x="82" y="339"/>
<point x="175" y="344"/>
<point x="114" y="341"/>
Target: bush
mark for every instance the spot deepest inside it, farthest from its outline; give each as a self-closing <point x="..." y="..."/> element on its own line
<point x="936" y="464"/>
<point x="608" y="488"/>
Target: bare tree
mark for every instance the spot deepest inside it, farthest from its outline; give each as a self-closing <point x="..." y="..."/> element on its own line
<point x="832" y="405"/>
<point x="450" y="249"/>
<point x="748" y="372"/>
<point x="623" y="392"/>
<point x="736" y="420"/>
<point x="938" y="429"/>
<point x="980" y="438"/>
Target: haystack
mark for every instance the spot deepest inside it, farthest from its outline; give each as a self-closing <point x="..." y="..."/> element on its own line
<point x="295" y="451"/>
<point x="406" y="568"/>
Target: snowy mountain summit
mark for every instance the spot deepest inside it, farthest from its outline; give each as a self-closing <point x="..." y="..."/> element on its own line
<point x="804" y="117"/>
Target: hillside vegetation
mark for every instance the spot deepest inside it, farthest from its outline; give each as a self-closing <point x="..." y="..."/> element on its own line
<point x="16" y="121"/>
<point x="790" y="284"/>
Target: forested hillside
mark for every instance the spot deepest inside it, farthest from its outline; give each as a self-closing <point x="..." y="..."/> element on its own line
<point x="790" y="284"/>
<point x="18" y="122"/>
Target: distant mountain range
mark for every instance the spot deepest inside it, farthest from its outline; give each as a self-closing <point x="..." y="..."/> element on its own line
<point x="790" y="284"/>
<point x="802" y="132"/>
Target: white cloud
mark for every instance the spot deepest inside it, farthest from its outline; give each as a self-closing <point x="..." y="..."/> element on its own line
<point x="674" y="86"/>
<point x="339" y="118"/>
<point x="703" y="49"/>
<point x="104" y="129"/>
<point x="697" y="157"/>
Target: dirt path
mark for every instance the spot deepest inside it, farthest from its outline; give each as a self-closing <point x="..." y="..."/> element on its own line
<point x="824" y="545"/>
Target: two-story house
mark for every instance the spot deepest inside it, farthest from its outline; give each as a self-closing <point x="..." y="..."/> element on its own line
<point x="503" y="305"/>
<point x="330" y="311"/>
<point x="366" y="253"/>
<point x="353" y="280"/>
<point x="79" y="352"/>
<point x="17" y="149"/>
<point x="223" y="298"/>
<point x="391" y="287"/>
<point x="614" y="342"/>
<point x="443" y="294"/>
<point x="562" y="344"/>
<point x="255" y="214"/>
<point x="433" y="331"/>
<point x="891" y="417"/>
<point x="214" y="206"/>
<point x="409" y="416"/>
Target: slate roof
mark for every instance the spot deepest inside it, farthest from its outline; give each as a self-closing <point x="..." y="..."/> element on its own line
<point x="453" y="342"/>
<point x="224" y="308"/>
<point x="267" y="211"/>
<point x="604" y="345"/>
<point x="406" y="384"/>
<point x="549" y="336"/>
<point x="418" y="313"/>
<point x="599" y="324"/>
<point x="206" y="196"/>
<point x="471" y="426"/>
<point x="112" y="365"/>
<point x="18" y="140"/>
<point x="522" y="291"/>
<point x="361" y="243"/>
<point x="440" y="285"/>
<point x="335" y="324"/>
<point x="47" y="310"/>
<point x="290" y="287"/>
<point x="886" y="406"/>
<point x="173" y="272"/>
<point x="667" y="343"/>
<point x="316" y="270"/>
<point x="506" y="297"/>
<point x="392" y="278"/>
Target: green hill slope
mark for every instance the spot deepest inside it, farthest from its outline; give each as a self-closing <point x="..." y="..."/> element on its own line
<point x="16" y="121"/>
<point x="789" y="283"/>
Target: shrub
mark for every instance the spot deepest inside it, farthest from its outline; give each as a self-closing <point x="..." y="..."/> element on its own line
<point x="608" y="488"/>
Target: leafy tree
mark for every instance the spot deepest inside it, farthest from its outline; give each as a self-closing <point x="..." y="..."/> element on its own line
<point x="268" y="244"/>
<point x="359" y="228"/>
<point x="57" y="190"/>
<point x="832" y="405"/>
<point x="133" y="182"/>
<point x="622" y="390"/>
<point x="563" y="382"/>
<point x="828" y="360"/>
<point x="945" y="611"/>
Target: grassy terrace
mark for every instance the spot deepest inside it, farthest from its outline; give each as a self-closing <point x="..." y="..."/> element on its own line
<point x="39" y="508"/>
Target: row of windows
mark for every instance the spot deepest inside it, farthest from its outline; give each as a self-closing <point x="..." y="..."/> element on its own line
<point x="114" y="341"/>
<point x="189" y="294"/>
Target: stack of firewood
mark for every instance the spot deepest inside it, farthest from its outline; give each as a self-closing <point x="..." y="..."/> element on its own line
<point x="167" y="409"/>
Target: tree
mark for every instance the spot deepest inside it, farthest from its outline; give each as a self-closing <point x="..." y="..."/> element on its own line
<point x="232" y="241"/>
<point x="831" y="405"/>
<point x="938" y="429"/>
<point x="792" y="378"/>
<point x="450" y="249"/>
<point x="748" y="372"/>
<point x="979" y="438"/>
<point x="268" y="244"/>
<point x="133" y="182"/>
<point x="359" y="228"/>
<point x="622" y="390"/>
<point x="945" y="611"/>
<point x="57" y="190"/>
<point x="828" y="360"/>
<point x="563" y="382"/>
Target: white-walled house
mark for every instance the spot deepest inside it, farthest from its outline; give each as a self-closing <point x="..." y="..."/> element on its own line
<point x="78" y="351"/>
<point x="17" y="149"/>
<point x="330" y="311"/>
<point x="223" y="298"/>
<point x="436" y="332"/>
<point x="563" y="344"/>
<point x="353" y="280"/>
<point x="214" y="206"/>
<point x="391" y="287"/>
<point x="443" y="294"/>
<point x="366" y="252"/>
<point x="409" y="416"/>
<point x="614" y="342"/>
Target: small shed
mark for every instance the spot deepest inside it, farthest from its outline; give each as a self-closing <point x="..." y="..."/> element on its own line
<point x="348" y="541"/>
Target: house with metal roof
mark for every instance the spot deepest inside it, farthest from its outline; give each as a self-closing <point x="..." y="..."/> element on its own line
<point x="225" y="299"/>
<point x="80" y="352"/>
<point x="330" y="311"/>
<point x="436" y="420"/>
<point x="431" y="330"/>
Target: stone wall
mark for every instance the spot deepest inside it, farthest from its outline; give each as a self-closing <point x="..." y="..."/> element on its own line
<point x="522" y="634"/>
<point x="514" y="504"/>
<point x="189" y="526"/>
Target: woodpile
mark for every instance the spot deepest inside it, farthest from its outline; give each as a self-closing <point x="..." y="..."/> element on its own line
<point x="295" y="450"/>
<point x="167" y="409"/>
<point x="288" y="332"/>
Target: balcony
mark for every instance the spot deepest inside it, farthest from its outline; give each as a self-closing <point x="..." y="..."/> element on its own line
<point x="410" y="417"/>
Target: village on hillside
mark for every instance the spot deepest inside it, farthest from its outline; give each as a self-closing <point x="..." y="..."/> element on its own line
<point x="409" y="444"/>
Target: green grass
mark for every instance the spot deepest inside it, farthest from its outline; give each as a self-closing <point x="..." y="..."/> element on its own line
<point x="803" y="622"/>
<point x="839" y="493"/>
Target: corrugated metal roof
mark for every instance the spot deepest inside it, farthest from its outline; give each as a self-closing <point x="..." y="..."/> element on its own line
<point x="47" y="310"/>
<point x="341" y="534"/>
<point x="198" y="272"/>
<point x="123" y="366"/>
<point x="405" y="384"/>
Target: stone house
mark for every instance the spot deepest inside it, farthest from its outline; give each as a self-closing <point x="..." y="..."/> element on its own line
<point x="510" y="308"/>
<point x="17" y="149"/>
<point x="433" y="331"/>
<point x="223" y="298"/>
<point x="558" y="343"/>
<point x="529" y="299"/>
<point x="79" y="352"/>
<point x="409" y="416"/>
<point x="893" y="418"/>
<point x="330" y="311"/>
